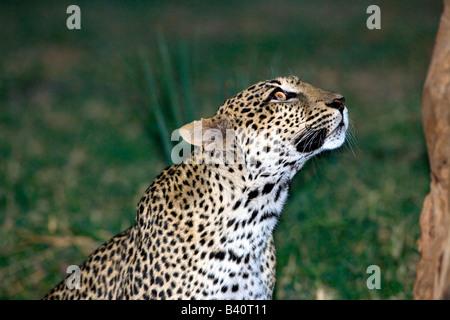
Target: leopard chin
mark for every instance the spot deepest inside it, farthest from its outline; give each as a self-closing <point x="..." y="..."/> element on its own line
<point x="337" y="137"/>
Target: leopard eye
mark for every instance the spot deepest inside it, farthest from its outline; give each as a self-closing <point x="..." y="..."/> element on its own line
<point x="280" y="96"/>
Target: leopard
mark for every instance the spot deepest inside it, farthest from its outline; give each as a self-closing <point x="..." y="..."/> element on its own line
<point x="204" y="229"/>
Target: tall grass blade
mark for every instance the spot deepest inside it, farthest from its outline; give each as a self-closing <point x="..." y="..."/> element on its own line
<point x="154" y="105"/>
<point x="186" y="83"/>
<point x="169" y="80"/>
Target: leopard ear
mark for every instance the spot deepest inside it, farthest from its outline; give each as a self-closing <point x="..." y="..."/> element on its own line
<point x="192" y="132"/>
<point x="206" y="131"/>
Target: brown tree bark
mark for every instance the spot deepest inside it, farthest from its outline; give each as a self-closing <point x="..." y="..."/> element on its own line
<point x="433" y="269"/>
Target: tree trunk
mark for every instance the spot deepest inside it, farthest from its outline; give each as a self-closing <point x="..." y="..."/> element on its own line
<point x="433" y="269"/>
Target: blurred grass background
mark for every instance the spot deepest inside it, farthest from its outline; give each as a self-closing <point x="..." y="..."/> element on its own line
<point x="84" y="117"/>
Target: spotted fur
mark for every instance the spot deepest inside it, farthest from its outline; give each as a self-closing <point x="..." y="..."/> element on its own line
<point x="203" y="229"/>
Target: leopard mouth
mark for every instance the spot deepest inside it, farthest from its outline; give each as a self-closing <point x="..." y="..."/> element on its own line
<point x="314" y="140"/>
<point x="311" y="141"/>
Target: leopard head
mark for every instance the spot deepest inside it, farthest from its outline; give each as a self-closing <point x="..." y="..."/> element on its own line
<point x="275" y="125"/>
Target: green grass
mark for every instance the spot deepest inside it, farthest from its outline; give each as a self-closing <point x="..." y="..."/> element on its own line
<point x="79" y="142"/>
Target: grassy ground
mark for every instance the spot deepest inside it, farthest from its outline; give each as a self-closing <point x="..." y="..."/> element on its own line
<point x="78" y="145"/>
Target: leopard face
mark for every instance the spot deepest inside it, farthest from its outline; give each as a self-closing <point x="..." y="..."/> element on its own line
<point x="278" y="124"/>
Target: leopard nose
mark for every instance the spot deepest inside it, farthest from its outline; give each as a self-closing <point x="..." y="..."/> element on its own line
<point x="337" y="103"/>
